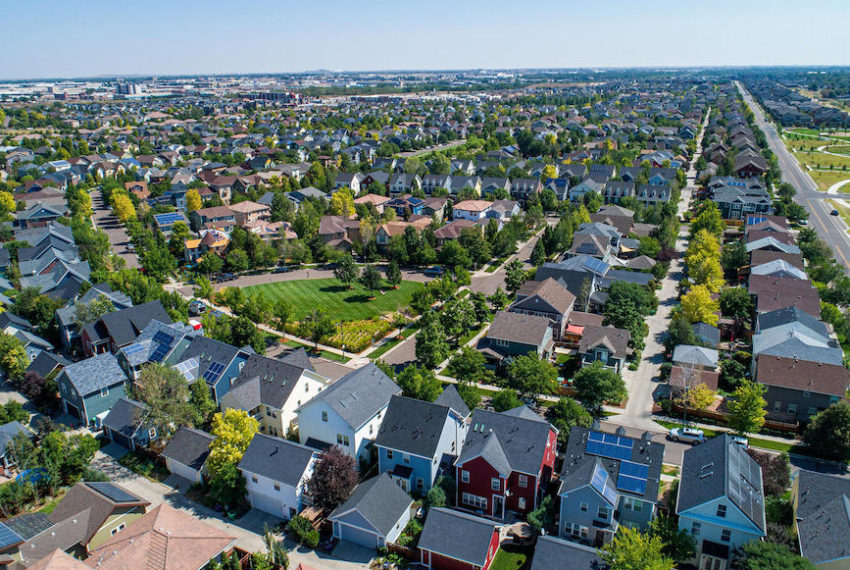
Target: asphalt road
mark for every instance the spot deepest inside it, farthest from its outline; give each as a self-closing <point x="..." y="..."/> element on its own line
<point x="831" y="229"/>
<point x="105" y="220"/>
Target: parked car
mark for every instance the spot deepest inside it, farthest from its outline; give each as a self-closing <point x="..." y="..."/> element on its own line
<point x="197" y="308"/>
<point x="435" y="270"/>
<point x="686" y="435"/>
<point x="741" y="440"/>
<point x="281" y="269"/>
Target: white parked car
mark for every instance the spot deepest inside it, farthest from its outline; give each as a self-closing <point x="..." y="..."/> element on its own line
<point x="741" y="440"/>
<point x="686" y="435"/>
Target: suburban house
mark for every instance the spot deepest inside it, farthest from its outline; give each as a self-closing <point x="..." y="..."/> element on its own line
<point x="374" y="515"/>
<point x="126" y="424"/>
<point x="163" y="538"/>
<point x="798" y="389"/>
<point x="472" y="210"/>
<point x="89" y="388"/>
<point x="120" y="328"/>
<point x="607" y="480"/>
<point x="546" y="298"/>
<point x="215" y="217"/>
<point x="516" y="334"/>
<point x="276" y="472"/>
<point x="688" y="355"/>
<point x="186" y="453"/>
<point x="820" y="515"/>
<point x="721" y="500"/>
<point x="66" y="317"/>
<point x="218" y="363"/>
<point x="8" y="432"/>
<point x="247" y="212"/>
<point x="441" y="549"/>
<point x="551" y="552"/>
<point x="348" y="413"/>
<point x="87" y="517"/>
<point x="272" y="389"/>
<point x="419" y="440"/>
<point x="608" y="345"/>
<point x="506" y="462"/>
<point x="523" y="188"/>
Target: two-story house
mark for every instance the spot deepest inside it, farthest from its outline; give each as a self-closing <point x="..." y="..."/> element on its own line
<point x="218" y="363"/>
<point x="607" y="480"/>
<point x="546" y="298"/>
<point x="608" y="345"/>
<point x="799" y="389"/>
<point x="419" y="440"/>
<point x="349" y="412"/>
<point x="272" y="389"/>
<point x="452" y="540"/>
<point x="506" y="462"/>
<point x="471" y="210"/>
<point x="120" y="328"/>
<point x="516" y="334"/>
<point x="820" y="515"/>
<point x="375" y="514"/>
<point x="89" y="388"/>
<point x="276" y="472"/>
<point x="720" y="501"/>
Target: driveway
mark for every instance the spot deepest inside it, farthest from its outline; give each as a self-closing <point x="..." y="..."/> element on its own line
<point x="106" y="221"/>
<point x="248" y="529"/>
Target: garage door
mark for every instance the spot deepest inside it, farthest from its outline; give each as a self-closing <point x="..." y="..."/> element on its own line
<point x="73" y="410"/>
<point x="266" y="504"/>
<point x="358" y="536"/>
<point x="183" y="470"/>
<point x="120" y="439"/>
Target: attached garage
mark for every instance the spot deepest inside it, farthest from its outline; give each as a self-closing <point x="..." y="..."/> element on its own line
<point x="374" y="515"/>
<point x="266" y="504"/>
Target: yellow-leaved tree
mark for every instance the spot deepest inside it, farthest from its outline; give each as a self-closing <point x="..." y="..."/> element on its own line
<point x="123" y="207"/>
<point x="701" y="396"/>
<point x="342" y="203"/>
<point x="549" y="172"/>
<point x="699" y="307"/>
<point x="7" y="203"/>
<point x="703" y="243"/>
<point x="233" y="431"/>
<point x="193" y="200"/>
<point x="703" y="269"/>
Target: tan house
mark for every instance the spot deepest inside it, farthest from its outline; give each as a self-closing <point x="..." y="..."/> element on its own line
<point x="247" y="212"/>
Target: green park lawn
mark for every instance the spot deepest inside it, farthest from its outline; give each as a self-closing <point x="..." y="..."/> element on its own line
<point x="336" y="300"/>
<point x="507" y="560"/>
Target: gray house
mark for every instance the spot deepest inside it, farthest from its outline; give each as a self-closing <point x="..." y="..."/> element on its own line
<point x="126" y="424"/>
<point x="607" y="479"/>
<point x="89" y="388"/>
<point x="546" y="298"/>
<point x="516" y="334"/>
<point x="551" y="552"/>
<point x="820" y="513"/>
<point x="375" y="514"/>
<point x="186" y="453"/>
<point x="799" y="389"/>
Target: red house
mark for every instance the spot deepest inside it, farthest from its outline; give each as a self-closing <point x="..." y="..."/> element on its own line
<point x="507" y="460"/>
<point x="452" y="540"/>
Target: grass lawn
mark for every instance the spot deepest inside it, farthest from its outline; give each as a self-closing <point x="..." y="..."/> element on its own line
<point x="506" y="560"/>
<point x="825" y="179"/>
<point x="323" y="353"/>
<point x="337" y="301"/>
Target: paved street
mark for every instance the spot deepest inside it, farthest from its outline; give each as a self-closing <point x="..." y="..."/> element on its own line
<point x="248" y="529"/>
<point x="104" y="219"/>
<point x="830" y="228"/>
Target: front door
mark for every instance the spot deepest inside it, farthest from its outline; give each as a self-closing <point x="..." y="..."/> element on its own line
<point x="707" y="562"/>
<point x="498" y="506"/>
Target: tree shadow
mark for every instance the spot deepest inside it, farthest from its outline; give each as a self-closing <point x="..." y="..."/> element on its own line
<point x="357" y="299"/>
<point x="333" y="288"/>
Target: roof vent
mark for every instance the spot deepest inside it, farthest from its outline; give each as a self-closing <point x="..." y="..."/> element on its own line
<point x="621" y="431"/>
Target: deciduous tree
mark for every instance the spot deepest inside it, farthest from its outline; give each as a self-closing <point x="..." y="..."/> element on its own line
<point x="746" y="409"/>
<point x="193" y="200"/>
<point x="531" y="375"/>
<point x="166" y="393"/>
<point x="595" y="384"/>
<point x="631" y="549"/>
<point x="514" y="276"/>
<point x="333" y="479"/>
<point x="828" y="434"/>
<point x="233" y="431"/>
<point x="699" y="307"/>
<point x="371" y="278"/>
<point x="420" y="383"/>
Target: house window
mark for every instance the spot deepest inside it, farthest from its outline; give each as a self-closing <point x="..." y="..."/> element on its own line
<point x="792" y="408"/>
<point x="501" y="342"/>
<point x="583" y="507"/>
<point x="371" y="429"/>
<point x="104" y="392"/>
<point x="602" y="513"/>
<point x="806" y="394"/>
<point x="583" y="532"/>
<point x="151" y="433"/>
<point x="523" y="481"/>
<point x="474" y="501"/>
<point x="777" y="406"/>
<point x="277" y="486"/>
<point x="117" y="529"/>
<point x="494" y="484"/>
<point x="405" y="459"/>
<point x="420" y="483"/>
<point x="812" y="411"/>
<point x="254" y="479"/>
<point x="721" y="511"/>
<point x="324" y="416"/>
<point x="464" y="476"/>
<point x="390" y="454"/>
<point x="695" y="528"/>
<point x="342" y="439"/>
<point x="726" y="535"/>
<point x="306" y="387"/>
<point x="521" y="503"/>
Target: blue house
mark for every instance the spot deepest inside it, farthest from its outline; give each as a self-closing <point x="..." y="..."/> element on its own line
<point x="406" y="202"/>
<point x="126" y="424"/>
<point x="89" y="388"/>
<point x="721" y="500"/>
<point x="419" y="440"/>
<point x="607" y="480"/>
<point x="218" y="363"/>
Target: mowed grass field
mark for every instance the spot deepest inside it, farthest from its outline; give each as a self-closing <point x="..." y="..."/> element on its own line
<point x="825" y="179"/>
<point x="336" y="300"/>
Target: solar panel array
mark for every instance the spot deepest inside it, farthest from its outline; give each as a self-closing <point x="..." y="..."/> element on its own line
<point x="609" y="445"/>
<point x="8" y="537"/>
<point x="188" y="368"/>
<point x="602" y="483"/>
<point x="213" y="372"/>
<point x="632" y="477"/>
<point x="595" y="265"/>
<point x="169" y="217"/>
<point x="743" y="477"/>
<point x="163" y="337"/>
<point x="132" y="349"/>
<point x="113" y="493"/>
<point x="165" y="342"/>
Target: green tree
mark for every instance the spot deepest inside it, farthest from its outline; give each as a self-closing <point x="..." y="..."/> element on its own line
<point x="499" y="300"/>
<point x="631" y="549"/>
<point x="531" y="375"/>
<point x="538" y="255"/>
<point x="371" y="279"/>
<point x="346" y="270"/>
<point x="210" y="263"/>
<point x="506" y="399"/>
<point x="828" y="433"/>
<point x="746" y="410"/>
<point x="393" y="274"/>
<point x="514" y="276"/>
<point x="14" y="359"/>
<point x="315" y="326"/>
<point x="166" y="393"/>
<point x="709" y="219"/>
<point x="736" y="302"/>
<point x="420" y="383"/>
<point x="678" y="544"/>
<point x="564" y="415"/>
<point x="734" y="257"/>
<point x="759" y="555"/>
<point x="595" y="384"/>
<point x="202" y="404"/>
<point x="282" y="313"/>
<point x="238" y="260"/>
<point x="432" y="346"/>
<point x="468" y="365"/>
<point x="85" y="313"/>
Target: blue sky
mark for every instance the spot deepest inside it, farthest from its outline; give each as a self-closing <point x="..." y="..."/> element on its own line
<point x="64" y="38"/>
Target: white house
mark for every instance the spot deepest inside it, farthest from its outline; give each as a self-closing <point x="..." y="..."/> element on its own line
<point x="472" y="210"/>
<point x="349" y="412"/>
<point x="186" y="454"/>
<point x="276" y="472"/>
<point x="721" y="500"/>
<point x="375" y="513"/>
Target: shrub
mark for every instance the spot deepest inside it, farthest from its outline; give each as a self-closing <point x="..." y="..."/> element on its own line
<point x="303" y="531"/>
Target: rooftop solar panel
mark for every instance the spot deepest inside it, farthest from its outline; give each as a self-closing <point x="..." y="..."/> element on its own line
<point x="163" y="338"/>
<point x="601" y="482"/>
<point x="8" y="537"/>
<point x="631" y="485"/>
<point x="609" y="445"/>
<point x="132" y="349"/>
<point x="595" y="265"/>
<point x="113" y="493"/>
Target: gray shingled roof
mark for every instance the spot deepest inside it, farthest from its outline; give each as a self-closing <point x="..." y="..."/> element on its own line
<point x="358" y="395"/>
<point x="722" y="468"/>
<point x="823" y="516"/>
<point x="551" y="552"/>
<point x="509" y="441"/>
<point x="8" y="432"/>
<point x="788" y="315"/>
<point x="190" y="447"/>
<point x="450" y="398"/>
<point x="413" y="426"/>
<point x="699" y="355"/>
<point x="90" y="375"/>
<point x="278" y="459"/>
<point x="519" y="328"/>
<point x="458" y="535"/>
<point x="125" y="416"/>
<point x="267" y="381"/>
<point x="379" y="500"/>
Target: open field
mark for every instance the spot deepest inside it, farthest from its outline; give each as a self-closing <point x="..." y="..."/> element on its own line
<point x="825" y="179"/>
<point x="336" y="300"/>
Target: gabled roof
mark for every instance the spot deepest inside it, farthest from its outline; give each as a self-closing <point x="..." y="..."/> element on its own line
<point x="451" y="399"/>
<point x="125" y="325"/>
<point x="267" y="381"/>
<point x="444" y="526"/>
<point x="789" y="315"/>
<point x="804" y="375"/>
<point x="823" y="516"/>
<point x="165" y="539"/>
<point x="92" y="374"/>
<point x="614" y="339"/>
<point x="358" y="395"/>
<point x="519" y="328"/>
<point x="699" y="355"/>
<point x="379" y="500"/>
<point x="412" y="426"/>
<point x="509" y="441"/>
<point x="277" y="459"/>
<point x="717" y="469"/>
<point x="125" y="417"/>
<point x="534" y="295"/>
<point x="58" y="560"/>
<point x="552" y="552"/>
